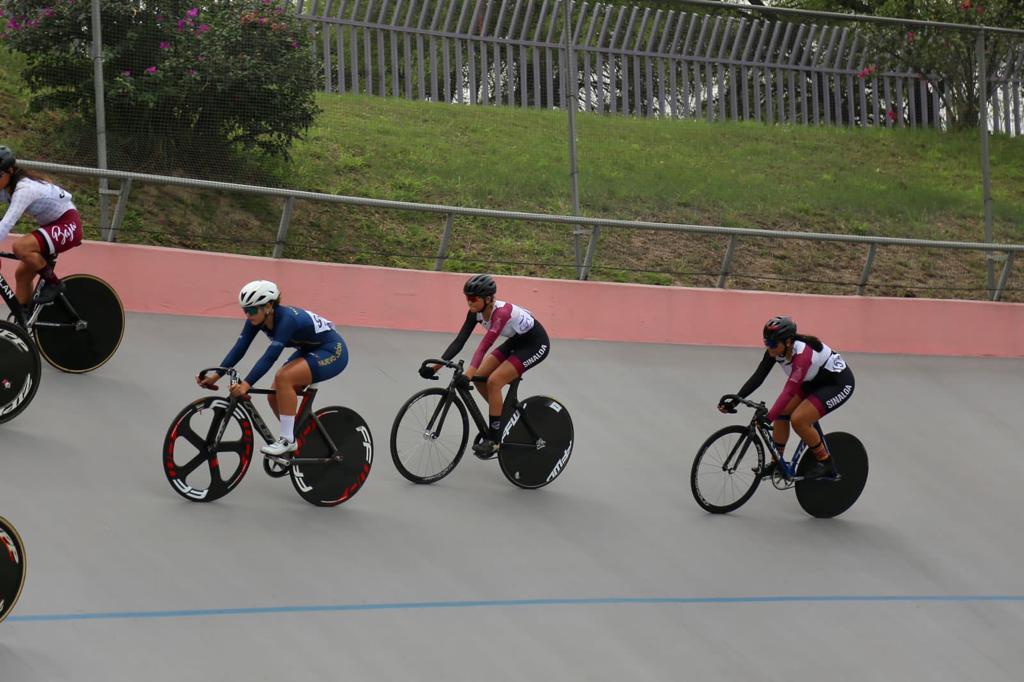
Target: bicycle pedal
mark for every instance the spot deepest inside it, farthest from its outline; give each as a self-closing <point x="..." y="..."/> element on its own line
<point x="283" y="460"/>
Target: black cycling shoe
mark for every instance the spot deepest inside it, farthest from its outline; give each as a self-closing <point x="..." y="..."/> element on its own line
<point x="769" y="469"/>
<point x="821" y="468"/>
<point x="47" y="292"/>
<point x="485" y="449"/>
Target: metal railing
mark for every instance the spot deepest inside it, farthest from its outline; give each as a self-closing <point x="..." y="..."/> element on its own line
<point x="1005" y="253"/>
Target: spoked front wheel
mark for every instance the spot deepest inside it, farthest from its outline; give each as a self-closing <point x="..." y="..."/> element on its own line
<point x="330" y="483"/>
<point x="427" y="439"/>
<point x="19" y="371"/>
<point x="537" y="442"/>
<point x="67" y="343"/>
<point x="200" y="473"/>
<point x="12" y="567"/>
<point x="726" y="470"/>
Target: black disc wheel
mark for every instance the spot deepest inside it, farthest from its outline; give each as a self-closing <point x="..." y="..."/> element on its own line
<point x="536" y="443"/>
<point x="429" y="435"/>
<point x="726" y="470"/>
<point x="83" y="327"/>
<point x="196" y="471"/>
<point x="19" y="371"/>
<point x="832" y="495"/>
<point x="12" y="567"/>
<point x="336" y="480"/>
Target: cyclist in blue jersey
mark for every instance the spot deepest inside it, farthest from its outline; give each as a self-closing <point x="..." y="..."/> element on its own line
<point x="321" y="354"/>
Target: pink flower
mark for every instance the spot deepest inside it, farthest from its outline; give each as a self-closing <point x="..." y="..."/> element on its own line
<point x="194" y="12"/>
<point x="181" y="24"/>
<point x="266" y="2"/>
<point x="164" y="45"/>
<point x="910" y="36"/>
<point x="151" y="70"/>
<point x="263" y="21"/>
<point x="203" y="28"/>
<point x="13" y="25"/>
<point x="48" y="12"/>
<point x="295" y="45"/>
<point x="193" y="72"/>
<point x="892" y="115"/>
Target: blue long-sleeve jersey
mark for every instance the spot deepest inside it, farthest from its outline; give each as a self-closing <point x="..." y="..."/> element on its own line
<point x="293" y="328"/>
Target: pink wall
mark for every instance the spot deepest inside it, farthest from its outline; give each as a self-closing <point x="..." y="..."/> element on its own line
<point x="176" y="281"/>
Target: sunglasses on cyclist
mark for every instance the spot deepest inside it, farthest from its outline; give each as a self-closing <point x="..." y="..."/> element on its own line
<point x="250" y="310"/>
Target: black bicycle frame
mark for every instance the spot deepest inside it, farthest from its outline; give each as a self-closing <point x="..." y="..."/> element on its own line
<point x="466" y="394"/>
<point x="305" y="408"/>
<point x="760" y="429"/>
<point x="27" y="322"/>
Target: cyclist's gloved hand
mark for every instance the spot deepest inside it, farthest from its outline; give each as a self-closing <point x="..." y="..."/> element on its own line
<point x="462" y="381"/>
<point x="727" y="404"/>
<point x="426" y="372"/>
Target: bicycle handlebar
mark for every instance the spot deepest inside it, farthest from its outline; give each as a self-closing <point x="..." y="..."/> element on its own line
<point x="231" y="372"/>
<point x="760" y="407"/>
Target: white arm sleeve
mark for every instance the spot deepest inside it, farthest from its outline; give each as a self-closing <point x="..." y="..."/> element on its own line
<point x="22" y="199"/>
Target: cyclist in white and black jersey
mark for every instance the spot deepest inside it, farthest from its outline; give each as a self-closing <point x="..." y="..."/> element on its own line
<point x="60" y="227"/>
<point x="526" y="345"/>
<point x="819" y="382"/>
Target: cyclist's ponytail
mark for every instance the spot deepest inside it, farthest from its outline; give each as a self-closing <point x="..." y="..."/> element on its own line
<point x="17" y="173"/>
<point x="812" y="341"/>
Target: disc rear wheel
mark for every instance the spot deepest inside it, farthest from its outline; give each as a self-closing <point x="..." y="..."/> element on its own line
<point x="537" y="442"/>
<point x="332" y="482"/>
<point x="72" y="347"/>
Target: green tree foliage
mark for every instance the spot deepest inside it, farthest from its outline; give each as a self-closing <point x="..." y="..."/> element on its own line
<point x="180" y="78"/>
<point x="944" y="57"/>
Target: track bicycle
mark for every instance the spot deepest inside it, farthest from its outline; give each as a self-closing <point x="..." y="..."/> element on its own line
<point x="431" y="431"/>
<point x="80" y="329"/>
<point x="12" y="567"/>
<point x="731" y="463"/>
<point x="209" y="446"/>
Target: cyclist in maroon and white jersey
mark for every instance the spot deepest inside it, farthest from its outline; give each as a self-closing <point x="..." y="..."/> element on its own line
<point x="60" y="227"/>
<point x="526" y="345"/>
<point x="819" y="382"/>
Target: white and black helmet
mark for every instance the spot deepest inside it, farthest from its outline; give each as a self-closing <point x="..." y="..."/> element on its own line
<point x="259" y="292"/>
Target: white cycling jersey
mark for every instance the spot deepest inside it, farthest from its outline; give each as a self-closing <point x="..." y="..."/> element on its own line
<point x="826" y="359"/>
<point x="42" y="201"/>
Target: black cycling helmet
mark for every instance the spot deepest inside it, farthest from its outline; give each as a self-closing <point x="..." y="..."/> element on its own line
<point x="479" y="285"/>
<point x="779" y="328"/>
<point x="6" y="158"/>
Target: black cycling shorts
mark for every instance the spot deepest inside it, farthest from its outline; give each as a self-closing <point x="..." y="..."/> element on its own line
<point x="524" y="351"/>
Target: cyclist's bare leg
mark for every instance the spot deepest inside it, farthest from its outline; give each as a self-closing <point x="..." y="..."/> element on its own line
<point x="505" y="374"/>
<point x="486" y="367"/>
<point x="26" y="248"/>
<point x="288" y="381"/>
<point x="780" y="428"/>
<point x="804" y="418"/>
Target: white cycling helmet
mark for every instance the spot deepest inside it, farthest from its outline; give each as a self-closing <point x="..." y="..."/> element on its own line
<point x="259" y="292"/>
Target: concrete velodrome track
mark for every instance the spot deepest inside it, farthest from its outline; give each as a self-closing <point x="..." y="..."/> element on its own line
<point x="612" y="572"/>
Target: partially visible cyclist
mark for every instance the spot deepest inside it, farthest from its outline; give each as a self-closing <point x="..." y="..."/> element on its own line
<point x="60" y="227"/>
<point x="526" y="345"/>
<point x="819" y="382"/>
<point x="321" y="355"/>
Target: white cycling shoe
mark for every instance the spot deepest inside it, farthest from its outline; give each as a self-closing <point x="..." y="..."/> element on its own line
<point x="279" y="447"/>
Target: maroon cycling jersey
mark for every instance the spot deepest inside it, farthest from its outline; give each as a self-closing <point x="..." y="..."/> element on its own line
<point x="507" y="320"/>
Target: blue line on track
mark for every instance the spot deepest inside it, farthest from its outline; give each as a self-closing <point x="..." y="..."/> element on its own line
<point x="498" y="603"/>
